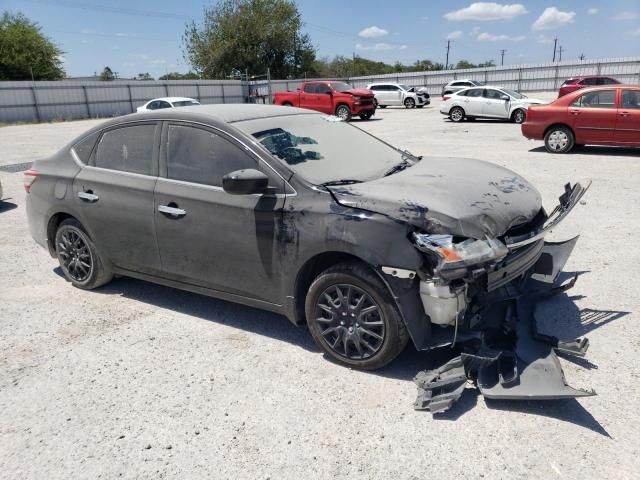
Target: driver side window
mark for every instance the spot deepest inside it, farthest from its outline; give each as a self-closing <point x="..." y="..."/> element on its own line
<point x="198" y="155"/>
<point x="322" y="88"/>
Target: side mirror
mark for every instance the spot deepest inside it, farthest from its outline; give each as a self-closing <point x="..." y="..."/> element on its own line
<point x="245" y="182"/>
<point x="506" y="98"/>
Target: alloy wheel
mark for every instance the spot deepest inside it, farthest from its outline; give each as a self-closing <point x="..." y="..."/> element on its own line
<point x="456" y="114"/>
<point x="75" y="255"/>
<point x="518" y="117"/>
<point x="350" y="321"/>
<point x="343" y="113"/>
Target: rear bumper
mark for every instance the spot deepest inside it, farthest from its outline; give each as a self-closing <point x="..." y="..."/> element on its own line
<point x="37" y="223"/>
<point x="532" y="131"/>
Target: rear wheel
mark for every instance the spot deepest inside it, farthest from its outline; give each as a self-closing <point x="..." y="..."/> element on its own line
<point x="409" y="103"/>
<point x="353" y="318"/>
<point x="456" y="114"/>
<point x="519" y="116"/>
<point x="343" y="112"/>
<point x="79" y="259"/>
<point x="559" y="139"/>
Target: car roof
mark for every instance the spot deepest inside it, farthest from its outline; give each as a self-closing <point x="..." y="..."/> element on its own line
<point x="385" y="83"/>
<point x="174" y="99"/>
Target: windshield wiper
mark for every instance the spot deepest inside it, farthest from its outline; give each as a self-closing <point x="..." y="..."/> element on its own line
<point x="397" y="168"/>
<point x="344" y="181"/>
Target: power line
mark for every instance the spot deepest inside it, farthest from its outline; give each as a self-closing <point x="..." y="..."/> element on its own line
<point x="114" y="10"/>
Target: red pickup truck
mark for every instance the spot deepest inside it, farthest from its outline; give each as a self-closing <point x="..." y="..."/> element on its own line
<point x="334" y="98"/>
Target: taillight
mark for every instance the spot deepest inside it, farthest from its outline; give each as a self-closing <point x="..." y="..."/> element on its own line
<point x="30" y="177"/>
<point x="445" y="98"/>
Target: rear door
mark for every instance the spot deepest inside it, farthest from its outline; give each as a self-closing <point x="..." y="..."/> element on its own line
<point x="494" y="106"/>
<point x="114" y="195"/>
<point x="224" y="242"/>
<point x="593" y="117"/>
<point x="628" y="124"/>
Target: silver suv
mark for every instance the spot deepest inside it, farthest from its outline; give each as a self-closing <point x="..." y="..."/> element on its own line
<point x="457" y="85"/>
<point x="397" y="94"/>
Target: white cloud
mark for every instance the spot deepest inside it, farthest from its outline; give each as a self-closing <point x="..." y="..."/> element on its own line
<point x="381" y="47"/>
<point x="544" y="39"/>
<point x="553" y="18"/>
<point x="622" y="16"/>
<point x="475" y="30"/>
<point x="373" y="32"/>
<point x="592" y="11"/>
<point x="158" y="61"/>
<point x="455" y="35"/>
<point x="635" y="33"/>
<point x="489" y="37"/>
<point x="403" y="47"/>
<point x="485" y="11"/>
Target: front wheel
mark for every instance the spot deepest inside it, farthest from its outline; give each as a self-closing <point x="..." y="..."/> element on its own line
<point x="343" y="112"/>
<point x="366" y="115"/>
<point x="353" y="318"/>
<point x="409" y="103"/>
<point x="79" y="259"/>
<point x="519" y="116"/>
<point x="456" y="114"/>
<point x="559" y="140"/>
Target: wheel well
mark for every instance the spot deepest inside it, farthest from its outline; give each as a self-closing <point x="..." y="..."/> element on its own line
<point x="310" y="271"/>
<point x="52" y="228"/>
<point x="341" y="104"/>
<point x="287" y="104"/>
<point x="560" y="125"/>
<point x="447" y="93"/>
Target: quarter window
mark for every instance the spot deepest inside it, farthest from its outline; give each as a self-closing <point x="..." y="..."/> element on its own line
<point x="201" y="156"/>
<point x="127" y="149"/>
<point x="602" y="99"/>
<point x="85" y="146"/>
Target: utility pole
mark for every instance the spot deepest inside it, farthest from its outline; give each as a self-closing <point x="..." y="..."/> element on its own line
<point x="560" y="52"/>
<point x="502" y="59"/>
<point x="446" y="65"/>
<point x="555" y="43"/>
<point x="582" y="57"/>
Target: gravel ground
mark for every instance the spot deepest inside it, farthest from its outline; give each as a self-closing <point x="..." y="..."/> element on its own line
<point x="141" y="381"/>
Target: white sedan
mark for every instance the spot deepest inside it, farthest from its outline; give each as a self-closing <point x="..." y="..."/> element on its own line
<point x="487" y="102"/>
<point x="167" y="102"/>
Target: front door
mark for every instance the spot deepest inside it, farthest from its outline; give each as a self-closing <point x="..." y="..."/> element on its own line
<point x="628" y="124"/>
<point x="494" y="105"/>
<point x="593" y="116"/>
<point x="114" y="195"/>
<point x="472" y="102"/>
<point x="325" y="99"/>
<point x="206" y="236"/>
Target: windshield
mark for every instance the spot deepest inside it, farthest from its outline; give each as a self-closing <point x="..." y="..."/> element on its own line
<point x="513" y="94"/>
<point x="317" y="147"/>
<point x="404" y="87"/>
<point x="341" y="87"/>
<point x="184" y="103"/>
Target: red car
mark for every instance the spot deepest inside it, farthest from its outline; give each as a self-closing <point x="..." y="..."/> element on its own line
<point x="576" y="83"/>
<point x="597" y="116"/>
<point x="334" y="98"/>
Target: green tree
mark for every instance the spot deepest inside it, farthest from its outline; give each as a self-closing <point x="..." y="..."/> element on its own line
<point x="143" y="76"/>
<point x="107" y="75"/>
<point x="249" y="35"/>
<point x="467" y="64"/>
<point x="25" y="53"/>
<point x="180" y="76"/>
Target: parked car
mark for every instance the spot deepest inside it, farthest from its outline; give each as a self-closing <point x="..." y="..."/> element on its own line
<point x="287" y="210"/>
<point x="390" y="94"/>
<point x="457" y="85"/>
<point x="597" y="116"/>
<point x="335" y="98"/>
<point x="576" y="83"/>
<point x="167" y="102"/>
<point x="487" y="102"/>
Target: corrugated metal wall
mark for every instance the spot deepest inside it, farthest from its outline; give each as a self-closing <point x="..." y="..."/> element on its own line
<point x="44" y="101"/>
<point x="68" y="99"/>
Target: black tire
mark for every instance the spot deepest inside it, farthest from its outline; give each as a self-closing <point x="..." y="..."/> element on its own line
<point x="343" y="112"/>
<point x="366" y="115"/>
<point x="518" y="116"/>
<point x="409" y="103"/>
<point x="382" y="106"/>
<point x="419" y="106"/>
<point x="371" y="334"/>
<point x="559" y="139"/>
<point x="456" y="114"/>
<point x="79" y="259"/>
<point x="287" y="104"/>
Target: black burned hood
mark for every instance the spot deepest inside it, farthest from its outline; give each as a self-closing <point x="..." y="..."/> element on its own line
<point x="455" y="196"/>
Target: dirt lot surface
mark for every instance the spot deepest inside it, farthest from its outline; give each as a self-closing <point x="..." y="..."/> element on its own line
<point x="141" y="381"/>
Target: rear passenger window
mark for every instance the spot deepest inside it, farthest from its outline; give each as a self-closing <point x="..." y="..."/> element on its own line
<point x="474" y="92"/>
<point x="84" y="147"/>
<point x="127" y="149"/>
<point x="201" y="156"/>
<point x="631" y="99"/>
<point x="603" y="99"/>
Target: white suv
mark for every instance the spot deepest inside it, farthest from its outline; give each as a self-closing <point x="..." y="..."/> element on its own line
<point x="457" y="85"/>
<point x="387" y="94"/>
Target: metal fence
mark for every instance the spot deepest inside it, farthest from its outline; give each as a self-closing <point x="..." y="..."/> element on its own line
<point x="66" y="99"/>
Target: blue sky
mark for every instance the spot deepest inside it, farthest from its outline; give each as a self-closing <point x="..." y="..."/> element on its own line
<point x="145" y="35"/>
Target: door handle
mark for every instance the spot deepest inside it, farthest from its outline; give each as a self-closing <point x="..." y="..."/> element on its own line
<point x="574" y="112"/>
<point x="172" y="210"/>
<point x="88" y="196"/>
<point x="624" y="114"/>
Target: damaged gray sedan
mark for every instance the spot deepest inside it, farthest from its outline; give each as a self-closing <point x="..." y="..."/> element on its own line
<point x="295" y="212"/>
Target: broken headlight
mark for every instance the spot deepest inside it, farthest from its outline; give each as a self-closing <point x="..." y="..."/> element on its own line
<point x="452" y="254"/>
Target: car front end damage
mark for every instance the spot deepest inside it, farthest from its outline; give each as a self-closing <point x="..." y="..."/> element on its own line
<point x="482" y="295"/>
